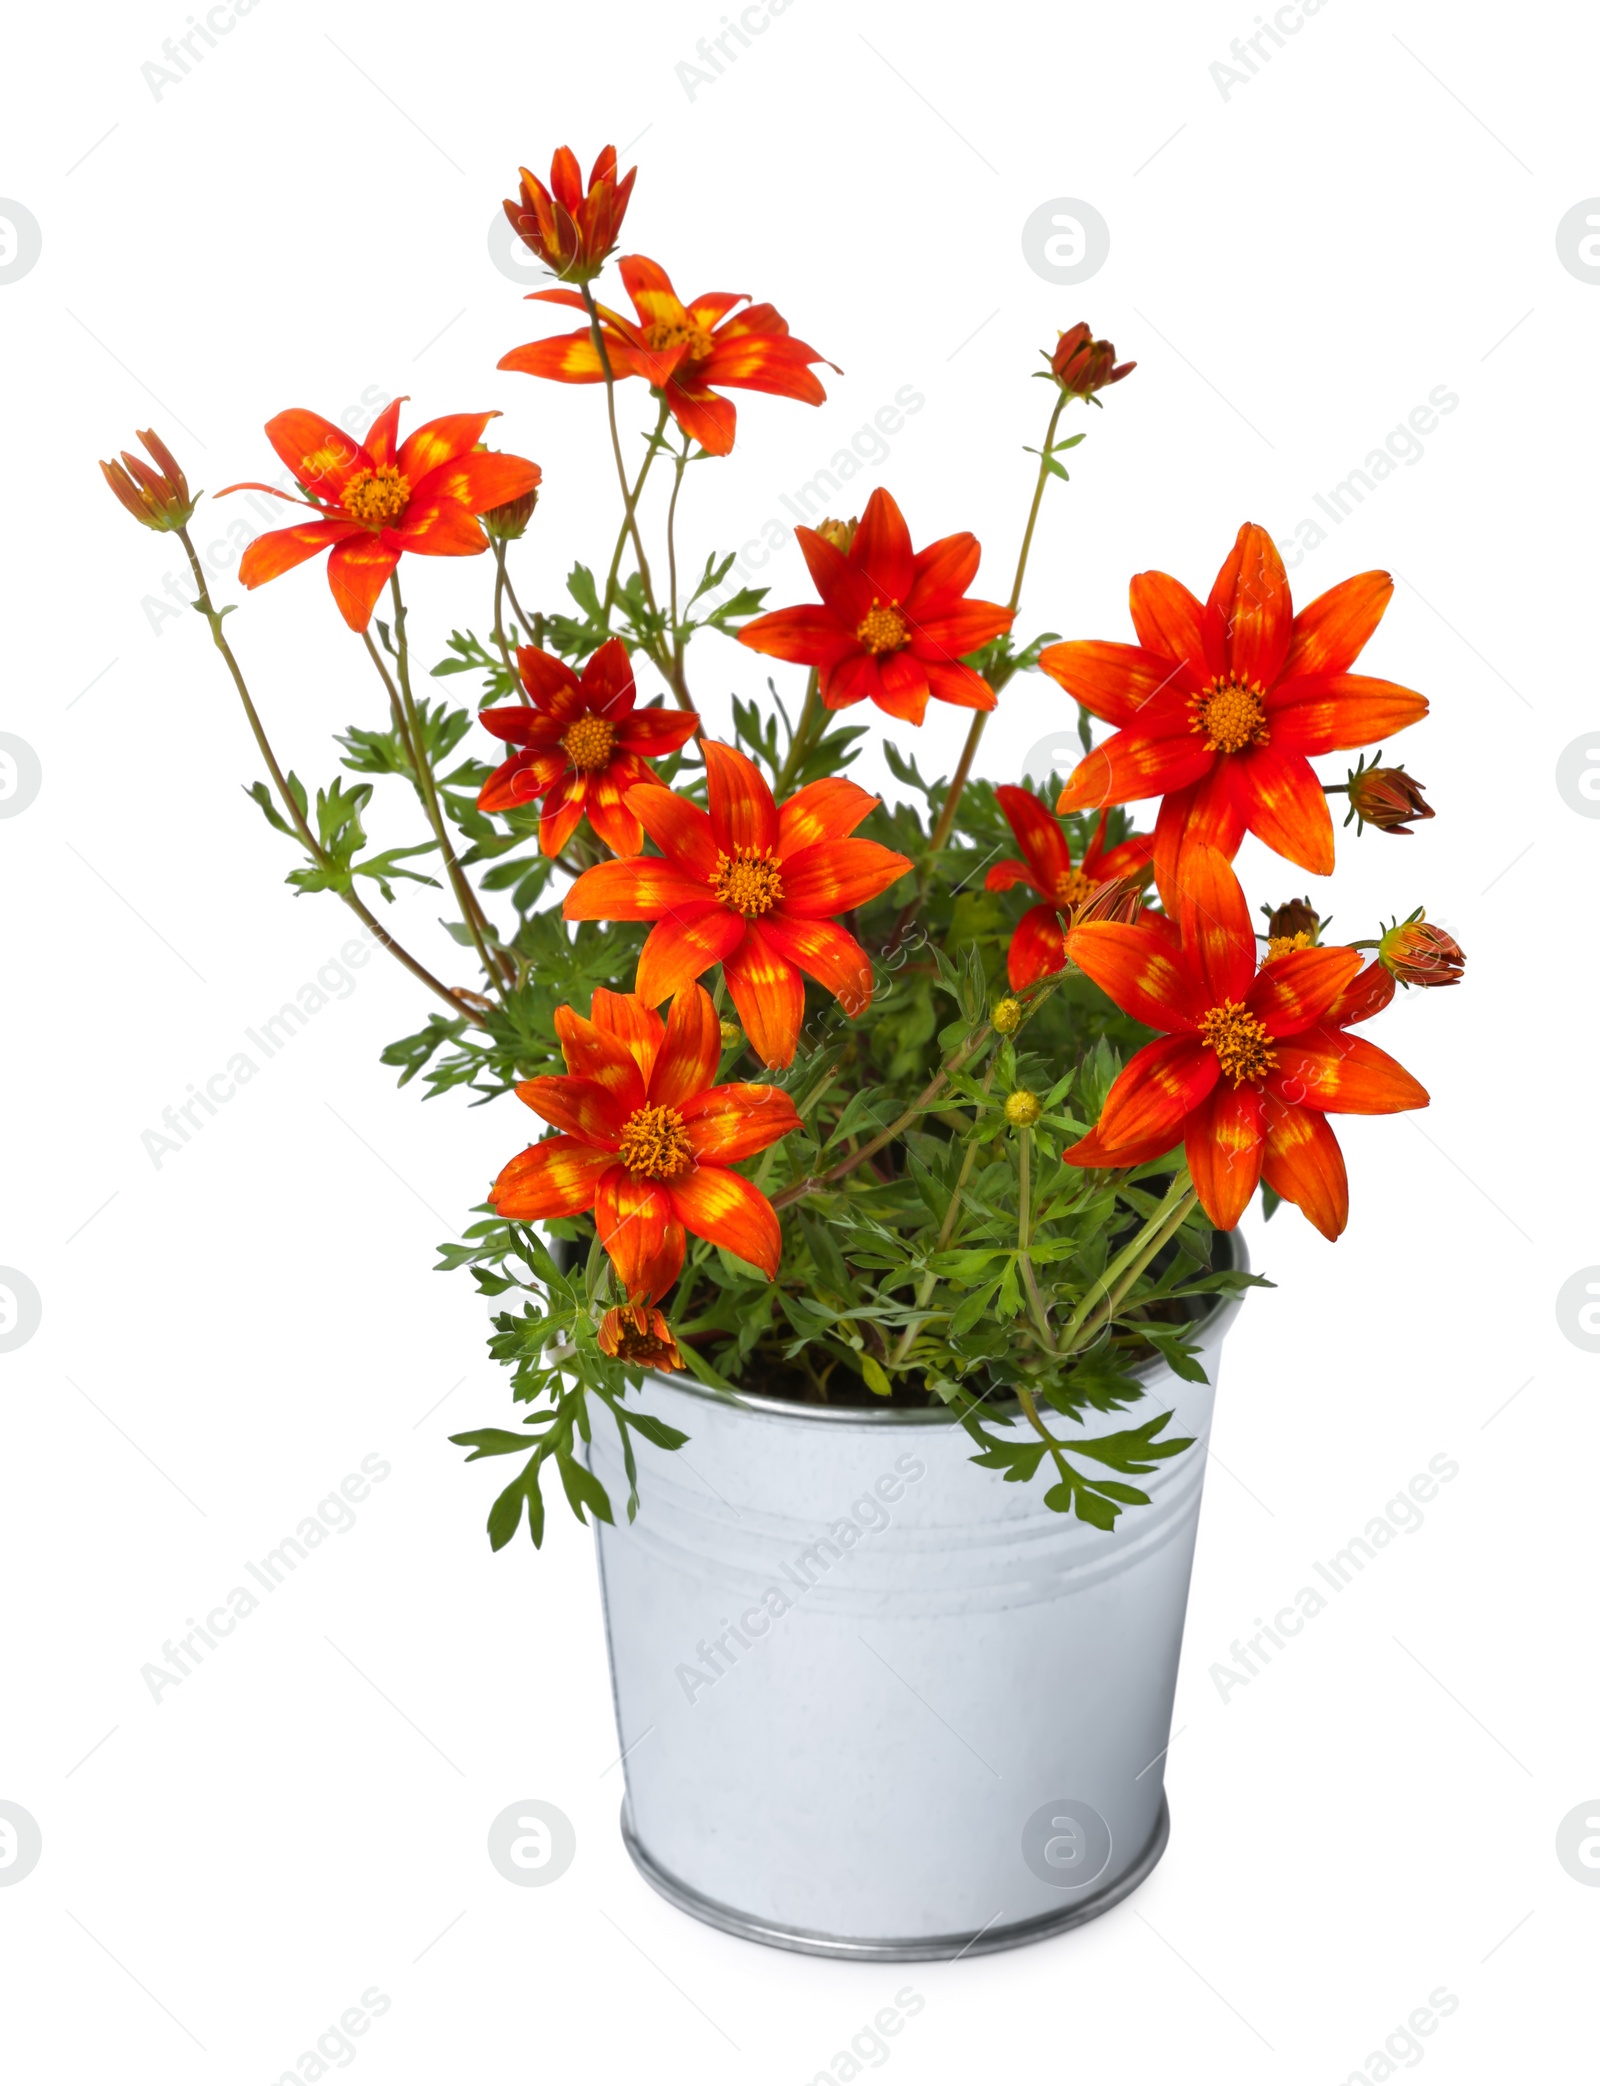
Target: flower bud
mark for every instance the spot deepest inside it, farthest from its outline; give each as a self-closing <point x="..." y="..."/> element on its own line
<point x="1006" y="1017"/>
<point x="1386" y="798"/>
<point x="1292" y="925"/>
<point x="1415" y="952"/>
<point x="840" y="534"/>
<point x="505" y="524"/>
<point x="640" y="1337"/>
<point x="732" y="1034"/>
<point x="572" y="228"/>
<point x="1082" y="365"/>
<point x="1120" y="898"/>
<point x="160" y="498"/>
<point x="1023" y="1109"/>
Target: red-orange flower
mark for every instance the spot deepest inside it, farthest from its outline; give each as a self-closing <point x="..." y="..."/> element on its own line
<point x="1249" y="1062"/>
<point x="1218" y="707"/>
<point x="1037" y="947"/>
<point x="681" y="350"/>
<point x="584" y="747"/>
<point x="638" y="1336"/>
<point x="159" y="498"/>
<point x="1082" y="365"/>
<point x="573" y="230"/>
<point x="893" y="624"/>
<point x="751" y="887"/>
<point x="647" y="1141"/>
<point x="377" y="498"/>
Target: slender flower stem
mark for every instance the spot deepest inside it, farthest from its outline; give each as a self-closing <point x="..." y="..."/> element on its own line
<point x="958" y="781"/>
<point x="1030" y="1280"/>
<point x="813" y="716"/>
<point x="930" y="1282"/>
<point x="290" y="803"/>
<point x="499" y="628"/>
<point x="532" y="627"/>
<point x="630" y="505"/>
<point x="1100" y="1306"/>
<point x="672" y="573"/>
<point x="1025" y="1399"/>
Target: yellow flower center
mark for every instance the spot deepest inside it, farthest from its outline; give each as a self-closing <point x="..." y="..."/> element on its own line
<point x="1283" y="944"/>
<point x="375" y="497"/>
<point x="655" y="1145"/>
<point x="587" y="742"/>
<point x="750" y="881"/>
<point x="1072" y="889"/>
<point x="1240" y="1042"/>
<point x="636" y="1346"/>
<point x="1232" y="714"/>
<point x="881" y="629"/>
<point x="666" y="333"/>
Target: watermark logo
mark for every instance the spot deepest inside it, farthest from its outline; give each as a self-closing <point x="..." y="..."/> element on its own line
<point x="1578" y="1309"/>
<point x="20" y="775"/>
<point x="532" y="1843"/>
<point x="1250" y="53"/>
<point x="716" y="53"/>
<point x="1066" y="240"/>
<point x="1577" y="240"/>
<point x="1067" y="1844"/>
<point x="1578" y="775"/>
<point x="21" y="1309"/>
<point x="21" y="241"/>
<point x="514" y="258"/>
<point x="21" y="1843"/>
<point x="1578" y="1843"/>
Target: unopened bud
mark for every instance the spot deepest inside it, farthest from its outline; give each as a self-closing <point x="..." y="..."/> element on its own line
<point x="639" y="1336"/>
<point x="1006" y="1017"/>
<point x="505" y="524"/>
<point x="160" y="498"/>
<point x="1295" y="917"/>
<point x="1120" y="898"/>
<point x="840" y="534"/>
<point x="1415" y="952"/>
<point x="732" y="1034"/>
<point x="1386" y="798"/>
<point x="1082" y="365"/>
<point x="1023" y="1109"/>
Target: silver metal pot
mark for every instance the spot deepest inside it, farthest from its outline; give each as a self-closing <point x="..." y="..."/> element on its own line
<point x="874" y="1702"/>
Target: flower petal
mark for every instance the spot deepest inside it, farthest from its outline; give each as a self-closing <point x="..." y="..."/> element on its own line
<point x="1303" y="1164"/>
<point x="1168" y="618"/>
<point x="809" y="635"/>
<point x="734" y="1122"/>
<point x="606" y="805"/>
<point x="641" y="889"/>
<point x="555" y="1179"/>
<point x="1124" y="684"/>
<point x="1038" y="835"/>
<point x="827" y="810"/>
<point x="1249" y="615"/>
<point x="627" y="1020"/>
<point x="683" y="944"/>
<point x="881" y="548"/>
<point x="1281" y="802"/>
<point x="1093" y="1151"/>
<point x="952" y="632"/>
<point x="846" y="591"/>
<point x="835" y="875"/>
<point x="1224" y="1144"/>
<point x="729" y="1211"/>
<point x="357" y="571"/>
<point x="438" y="528"/>
<point x="769" y="993"/>
<point x="441" y="441"/>
<point x="1330" y="631"/>
<point x="691" y="1051"/>
<point x="521" y="779"/>
<point x="550" y="681"/>
<point x="743" y="814"/>
<point x="1214" y="921"/>
<point x="902" y="686"/>
<point x="569" y="358"/>
<point x="706" y="418"/>
<point x="642" y="1232"/>
<point x="1131" y="764"/>
<point x="951" y="682"/>
<point x="280" y="550"/>
<point x="1005" y="874"/>
<point x="1329" y="1069"/>
<point x="1203" y="815"/>
<point x="582" y="1107"/>
<point x="1330" y="713"/>
<point x="681" y="830"/>
<point x="945" y="569"/>
<point x="1299" y="987"/>
<point x="1367" y="994"/>
<point x="480" y="481"/>
<point x="654" y="733"/>
<point x="1038" y="947"/>
<point x="320" y="456"/>
<point x="597" y="1053"/>
<point x="827" y="952"/>
<point x="519" y="724"/>
<point x="855" y="679"/>
<point x="1156" y="1090"/>
<point x="561" y="813"/>
<point x="1139" y="969"/>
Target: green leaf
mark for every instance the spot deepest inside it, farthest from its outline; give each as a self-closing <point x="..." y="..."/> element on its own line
<point x="873" y="1375"/>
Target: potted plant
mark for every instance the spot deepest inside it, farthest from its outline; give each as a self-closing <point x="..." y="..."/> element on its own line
<point x="890" y="1155"/>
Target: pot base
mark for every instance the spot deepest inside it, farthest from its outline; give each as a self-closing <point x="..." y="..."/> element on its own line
<point x="935" y="1948"/>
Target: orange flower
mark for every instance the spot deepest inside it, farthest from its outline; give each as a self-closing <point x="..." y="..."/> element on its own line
<point x="750" y="887"/>
<point x="572" y="230"/>
<point x="1218" y="707"/>
<point x="1082" y="365"/>
<point x="1037" y="948"/>
<point x="1249" y="1062"/>
<point x="377" y="498"/>
<point x="681" y="351"/>
<point x="160" y="498"/>
<point x="646" y="1141"/>
<point x="639" y="1335"/>
<point x="583" y="745"/>
<point x="893" y="624"/>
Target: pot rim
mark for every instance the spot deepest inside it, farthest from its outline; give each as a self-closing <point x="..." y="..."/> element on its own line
<point x="1237" y="1260"/>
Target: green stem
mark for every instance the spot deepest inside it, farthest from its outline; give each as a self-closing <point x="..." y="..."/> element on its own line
<point x="1030" y="1280"/>
<point x="287" y="797"/>
<point x="499" y="630"/>
<point x="630" y="503"/>
<point x="813" y="716"/>
<point x="1103" y="1299"/>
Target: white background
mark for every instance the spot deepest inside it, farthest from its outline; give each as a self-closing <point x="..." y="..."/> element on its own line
<point x="1295" y="265"/>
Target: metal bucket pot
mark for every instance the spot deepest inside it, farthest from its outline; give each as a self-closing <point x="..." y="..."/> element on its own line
<point x="873" y="1701"/>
